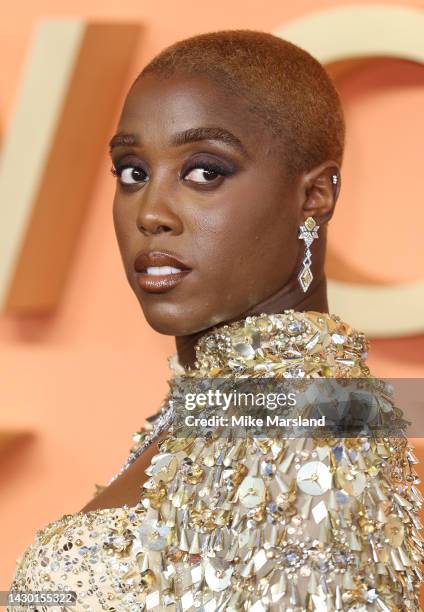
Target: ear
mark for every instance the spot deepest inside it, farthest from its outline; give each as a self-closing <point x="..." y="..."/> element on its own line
<point x="321" y="191"/>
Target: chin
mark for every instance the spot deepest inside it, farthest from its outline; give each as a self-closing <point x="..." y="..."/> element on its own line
<point x="169" y="319"/>
<point x="173" y="320"/>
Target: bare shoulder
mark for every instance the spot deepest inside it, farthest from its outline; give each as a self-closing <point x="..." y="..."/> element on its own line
<point x="126" y="488"/>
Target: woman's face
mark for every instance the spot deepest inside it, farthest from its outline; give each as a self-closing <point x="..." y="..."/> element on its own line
<point x="198" y="179"/>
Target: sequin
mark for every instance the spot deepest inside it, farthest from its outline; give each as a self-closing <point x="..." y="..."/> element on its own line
<point x="394" y="530"/>
<point x="163" y="467"/>
<point x="251" y="491"/>
<point x="218" y="574"/>
<point x="154" y="535"/>
<point x="314" y="478"/>
<point x="351" y="480"/>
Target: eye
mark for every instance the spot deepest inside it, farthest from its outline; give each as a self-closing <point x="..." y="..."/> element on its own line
<point x="203" y="172"/>
<point x="129" y="175"/>
<point x="202" y="175"/>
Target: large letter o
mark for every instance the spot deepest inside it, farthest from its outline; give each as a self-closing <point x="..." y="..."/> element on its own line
<point x="353" y="33"/>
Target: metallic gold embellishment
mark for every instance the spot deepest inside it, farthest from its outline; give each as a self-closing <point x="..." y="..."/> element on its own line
<point x="255" y="523"/>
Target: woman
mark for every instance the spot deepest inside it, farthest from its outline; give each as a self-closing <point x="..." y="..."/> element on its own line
<point x="228" y="151"/>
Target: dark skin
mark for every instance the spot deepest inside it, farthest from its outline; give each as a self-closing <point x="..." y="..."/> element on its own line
<point x="236" y="230"/>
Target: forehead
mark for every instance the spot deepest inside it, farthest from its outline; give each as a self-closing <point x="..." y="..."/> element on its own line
<point x="157" y="106"/>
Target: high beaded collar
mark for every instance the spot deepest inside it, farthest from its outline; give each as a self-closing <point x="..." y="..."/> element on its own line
<point x="287" y="344"/>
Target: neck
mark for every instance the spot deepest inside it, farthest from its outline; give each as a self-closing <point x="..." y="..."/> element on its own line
<point x="289" y="296"/>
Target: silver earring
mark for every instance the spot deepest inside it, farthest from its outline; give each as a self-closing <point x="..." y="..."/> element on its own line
<point x="307" y="232"/>
<point x="335" y="179"/>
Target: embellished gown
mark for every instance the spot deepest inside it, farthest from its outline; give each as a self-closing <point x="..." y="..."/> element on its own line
<point x="256" y="524"/>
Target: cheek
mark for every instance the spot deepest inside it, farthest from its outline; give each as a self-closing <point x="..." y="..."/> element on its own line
<point x="116" y="217"/>
<point x="246" y="248"/>
<point x="121" y="224"/>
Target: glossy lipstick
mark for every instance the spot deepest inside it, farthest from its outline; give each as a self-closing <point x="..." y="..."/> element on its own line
<point x="158" y="271"/>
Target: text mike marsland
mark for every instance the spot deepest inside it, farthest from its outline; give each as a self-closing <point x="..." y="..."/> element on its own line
<point x="270" y="420"/>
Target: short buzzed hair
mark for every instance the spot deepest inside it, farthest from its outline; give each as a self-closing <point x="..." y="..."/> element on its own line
<point x="283" y="85"/>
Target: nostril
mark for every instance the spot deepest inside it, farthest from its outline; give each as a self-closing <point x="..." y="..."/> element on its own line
<point x="142" y="229"/>
<point x="157" y="230"/>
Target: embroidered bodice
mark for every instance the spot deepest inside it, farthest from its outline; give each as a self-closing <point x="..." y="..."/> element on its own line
<point x="249" y="523"/>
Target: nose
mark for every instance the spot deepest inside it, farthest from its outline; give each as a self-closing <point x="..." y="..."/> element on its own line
<point x="155" y="214"/>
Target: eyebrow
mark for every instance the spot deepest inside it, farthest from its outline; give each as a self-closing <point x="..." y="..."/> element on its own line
<point x="180" y="138"/>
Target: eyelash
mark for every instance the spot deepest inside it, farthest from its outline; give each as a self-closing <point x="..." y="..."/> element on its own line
<point x="208" y="166"/>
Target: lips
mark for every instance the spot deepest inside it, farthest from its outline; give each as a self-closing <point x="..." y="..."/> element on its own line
<point x="158" y="271"/>
<point x="152" y="259"/>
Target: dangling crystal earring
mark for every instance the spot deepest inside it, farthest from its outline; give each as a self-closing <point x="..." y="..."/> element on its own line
<point x="307" y="232"/>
